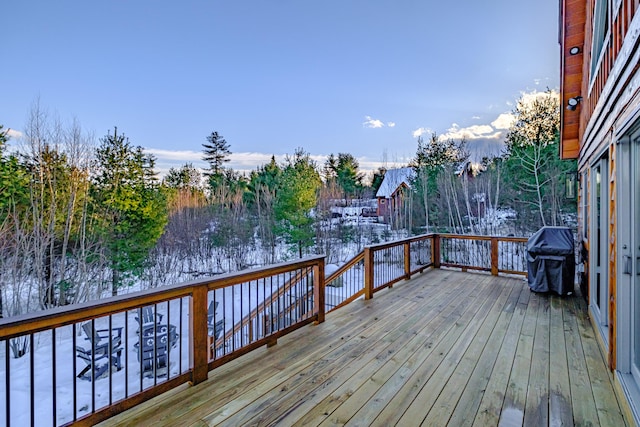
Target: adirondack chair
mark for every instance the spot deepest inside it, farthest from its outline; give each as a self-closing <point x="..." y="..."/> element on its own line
<point x="105" y="350"/>
<point x="157" y="339"/>
<point x="149" y="316"/>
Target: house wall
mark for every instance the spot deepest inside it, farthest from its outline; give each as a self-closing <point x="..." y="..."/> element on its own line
<point x="592" y="133"/>
<point x="383" y="207"/>
<point x="576" y="80"/>
<point x="611" y="106"/>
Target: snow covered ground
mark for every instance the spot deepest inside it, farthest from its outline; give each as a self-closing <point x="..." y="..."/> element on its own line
<point x="31" y="377"/>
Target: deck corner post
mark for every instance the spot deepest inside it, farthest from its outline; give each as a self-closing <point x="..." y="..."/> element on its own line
<point x="198" y="346"/>
<point x="494" y="256"/>
<point x="368" y="273"/>
<point x="435" y="252"/>
<point x="319" y="290"/>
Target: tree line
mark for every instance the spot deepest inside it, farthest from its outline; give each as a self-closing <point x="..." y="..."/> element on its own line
<point x="79" y="219"/>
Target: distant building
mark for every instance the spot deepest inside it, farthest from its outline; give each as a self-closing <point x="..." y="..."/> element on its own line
<point x="392" y="192"/>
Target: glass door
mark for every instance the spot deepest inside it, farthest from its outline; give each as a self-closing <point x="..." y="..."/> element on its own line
<point x="631" y="257"/>
<point x="600" y="243"/>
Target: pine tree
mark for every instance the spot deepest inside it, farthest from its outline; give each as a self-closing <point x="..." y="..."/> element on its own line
<point x="131" y="208"/>
<point x="297" y="195"/>
<point x="344" y="171"/>
<point x="216" y="153"/>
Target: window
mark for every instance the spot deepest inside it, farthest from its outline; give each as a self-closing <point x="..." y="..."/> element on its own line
<point x="600" y="33"/>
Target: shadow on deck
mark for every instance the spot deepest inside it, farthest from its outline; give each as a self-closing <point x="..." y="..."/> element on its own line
<point x="444" y="348"/>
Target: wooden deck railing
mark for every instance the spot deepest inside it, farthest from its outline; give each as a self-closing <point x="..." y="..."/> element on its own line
<point x="507" y="255"/>
<point x="197" y="326"/>
<point x="133" y="361"/>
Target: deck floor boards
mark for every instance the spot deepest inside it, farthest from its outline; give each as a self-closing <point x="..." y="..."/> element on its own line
<point x="444" y="348"/>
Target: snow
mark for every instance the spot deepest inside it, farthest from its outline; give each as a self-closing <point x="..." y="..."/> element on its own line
<point x="393" y="178"/>
<point x="130" y="380"/>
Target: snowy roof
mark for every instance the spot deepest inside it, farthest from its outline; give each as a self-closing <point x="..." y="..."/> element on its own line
<point x="393" y="178"/>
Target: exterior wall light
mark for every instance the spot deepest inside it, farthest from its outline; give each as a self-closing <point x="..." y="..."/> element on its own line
<point x="572" y="103"/>
<point x="574" y="50"/>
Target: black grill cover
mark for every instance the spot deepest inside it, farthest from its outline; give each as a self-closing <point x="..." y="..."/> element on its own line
<point x="551" y="260"/>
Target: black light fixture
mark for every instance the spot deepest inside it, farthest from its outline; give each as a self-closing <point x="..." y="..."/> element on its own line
<point x="574" y="50"/>
<point x="572" y="103"/>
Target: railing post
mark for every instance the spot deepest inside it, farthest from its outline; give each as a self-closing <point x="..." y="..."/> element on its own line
<point x="494" y="256"/>
<point x="407" y="260"/>
<point x="435" y="251"/>
<point x="199" y="340"/>
<point x="319" y="290"/>
<point x="368" y="273"/>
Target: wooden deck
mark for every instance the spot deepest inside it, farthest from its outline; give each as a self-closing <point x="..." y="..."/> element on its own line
<point x="445" y="348"/>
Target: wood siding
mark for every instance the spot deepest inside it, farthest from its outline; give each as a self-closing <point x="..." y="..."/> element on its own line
<point x="576" y="29"/>
<point x="573" y="16"/>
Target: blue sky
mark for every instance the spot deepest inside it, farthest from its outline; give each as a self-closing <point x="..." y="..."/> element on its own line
<point x="362" y="77"/>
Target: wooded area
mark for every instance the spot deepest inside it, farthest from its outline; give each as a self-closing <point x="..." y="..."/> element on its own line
<point x="81" y="218"/>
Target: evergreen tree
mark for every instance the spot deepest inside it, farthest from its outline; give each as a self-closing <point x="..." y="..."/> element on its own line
<point x="185" y="178"/>
<point x="297" y="196"/>
<point x="13" y="181"/>
<point x="377" y="179"/>
<point x="344" y="171"/>
<point x="216" y="153"/>
<point x="130" y="207"/>
<point x="14" y="197"/>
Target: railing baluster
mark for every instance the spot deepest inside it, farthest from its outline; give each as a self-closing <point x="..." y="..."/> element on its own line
<point x="73" y="374"/>
<point x="7" y="381"/>
<point x="109" y="364"/>
<point x="126" y="354"/>
<point x="32" y="378"/>
<point x="140" y="347"/>
<point x="168" y="336"/>
<point x="181" y="329"/>
<point x="53" y="376"/>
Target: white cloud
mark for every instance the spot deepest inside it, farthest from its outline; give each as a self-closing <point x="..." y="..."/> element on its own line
<point x="15" y="134"/>
<point x="372" y="123"/>
<point x="470" y="133"/>
<point x="475" y="117"/>
<point x="247" y="162"/>
<point x="176" y="155"/>
<point x="391" y="124"/>
<point x="421" y="131"/>
<point x="528" y="98"/>
<point x="504" y="121"/>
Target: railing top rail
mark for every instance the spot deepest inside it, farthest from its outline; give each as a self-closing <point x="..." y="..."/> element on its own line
<point x="480" y="237"/>
<point x="427" y="236"/>
<point x="353" y="261"/>
<point x="398" y="242"/>
<point x="61" y="316"/>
